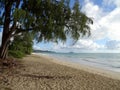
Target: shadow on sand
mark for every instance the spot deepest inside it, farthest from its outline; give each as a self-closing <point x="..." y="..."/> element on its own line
<point x="46" y="77"/>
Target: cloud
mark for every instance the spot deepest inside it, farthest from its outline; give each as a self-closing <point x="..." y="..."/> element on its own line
<point x="113" y="44"/>
<point x="112" y="23"/>
<point x="86" y="44"/>
<point x="92" y="10"/>
<point x="35" y="47"/>
<point x="96" y="13"/>
<point x="60" y="47"/>
<point x="106" y="24"/>
<point x="112" y="2"/>
<point x="80" y="46"/>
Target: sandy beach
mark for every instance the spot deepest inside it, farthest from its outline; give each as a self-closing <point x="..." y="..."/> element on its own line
<point x="45" y="73"/>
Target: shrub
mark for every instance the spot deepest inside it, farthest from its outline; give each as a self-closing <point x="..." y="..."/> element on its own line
<point x="16" y="54"/>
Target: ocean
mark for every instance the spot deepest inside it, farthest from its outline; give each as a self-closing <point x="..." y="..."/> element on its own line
<point x="108" y="61"/>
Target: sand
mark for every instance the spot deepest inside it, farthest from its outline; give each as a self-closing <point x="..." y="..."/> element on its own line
<point x="44" y="73"/>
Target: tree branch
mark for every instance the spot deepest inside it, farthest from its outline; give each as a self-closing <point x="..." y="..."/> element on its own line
<point x="19" y="30"/>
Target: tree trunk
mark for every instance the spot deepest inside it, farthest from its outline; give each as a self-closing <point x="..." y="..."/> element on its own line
<point x="6" y="30"/>
<point x="4" y="49"/>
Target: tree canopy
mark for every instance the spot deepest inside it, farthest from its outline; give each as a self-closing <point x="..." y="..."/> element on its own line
<point x="50" y="20"/>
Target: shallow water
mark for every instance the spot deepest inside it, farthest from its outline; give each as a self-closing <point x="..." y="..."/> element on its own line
<point x="109" y="61"/>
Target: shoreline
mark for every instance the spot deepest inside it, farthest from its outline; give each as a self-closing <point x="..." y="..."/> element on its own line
<point x="41" y="72"/>
<point x="87" y="68"/>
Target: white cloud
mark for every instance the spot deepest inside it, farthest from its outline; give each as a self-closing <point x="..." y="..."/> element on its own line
<point x="112" y="23"/>
<point x="86" y="44"/>
<point x="35" y="47"/>
<point x="106" y="24"/>
<point x="112" y="2"/>
<point x="92" y="10"/>
<point x="60" y="47"/>
<point x="113" y="44"/>
<point x="81" y="45"/>
<point x="96" y="13"/>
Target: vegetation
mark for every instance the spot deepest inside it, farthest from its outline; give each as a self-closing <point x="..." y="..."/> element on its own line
<point x="49" y="20"/>
<point x="21" y="45"/>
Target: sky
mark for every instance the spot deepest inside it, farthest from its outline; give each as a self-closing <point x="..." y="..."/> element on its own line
<point x="105" y="31"/>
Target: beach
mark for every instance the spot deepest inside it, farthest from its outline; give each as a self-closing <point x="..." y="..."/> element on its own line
<point x="40" y="72"/>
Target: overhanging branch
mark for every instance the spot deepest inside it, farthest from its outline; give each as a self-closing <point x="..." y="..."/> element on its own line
<point x="20" y="30"/>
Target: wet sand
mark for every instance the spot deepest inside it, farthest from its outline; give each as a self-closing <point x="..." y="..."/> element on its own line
<point x="44" y="73"/>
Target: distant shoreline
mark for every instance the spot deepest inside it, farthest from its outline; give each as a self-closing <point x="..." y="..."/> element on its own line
<point x="48" y="51"/>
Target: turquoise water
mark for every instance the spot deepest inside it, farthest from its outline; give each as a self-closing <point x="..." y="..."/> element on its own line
<point x="109" y="61"/>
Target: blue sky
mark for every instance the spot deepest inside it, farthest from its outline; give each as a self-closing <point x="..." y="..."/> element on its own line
<point x="105" y="30"/>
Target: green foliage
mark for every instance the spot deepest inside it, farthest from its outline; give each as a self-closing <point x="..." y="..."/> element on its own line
<point x="49" y="20"/>
<point x="79" y="23"/>
<point x="21" y="46"/>
<point x="16" y="54"/>
<point x="19" y="15"/>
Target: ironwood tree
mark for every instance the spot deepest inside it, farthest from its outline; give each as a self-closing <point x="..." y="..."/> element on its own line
<point x="50" y="20"/>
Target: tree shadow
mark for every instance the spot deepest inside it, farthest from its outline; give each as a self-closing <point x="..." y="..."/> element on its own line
<point x="46" y="77"/>
<point x="5" y="88"/>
